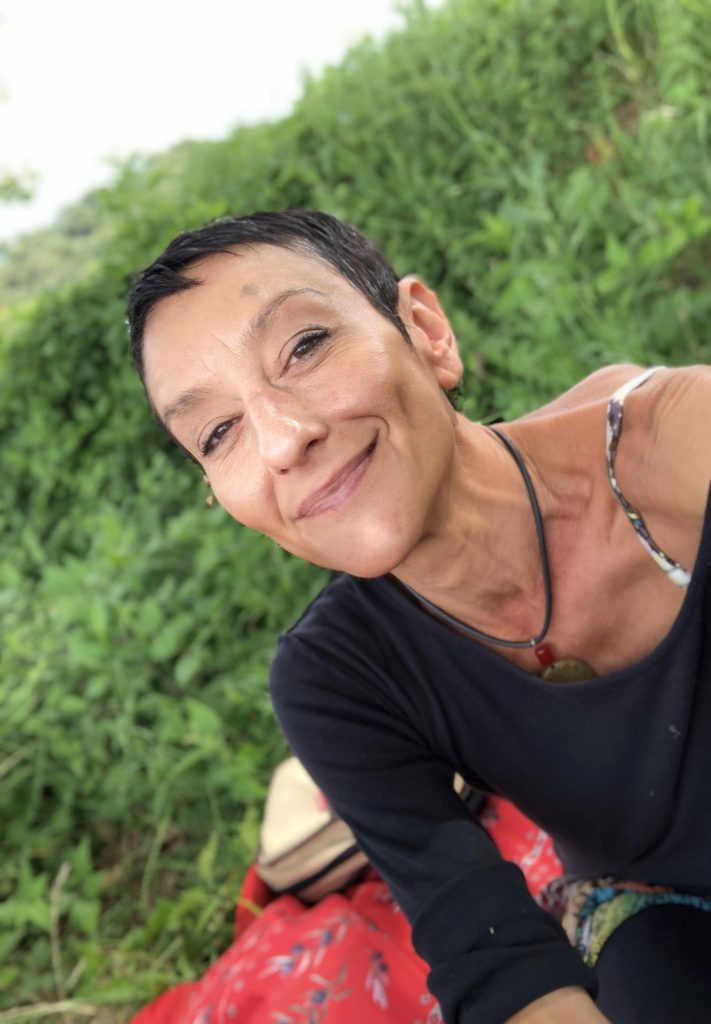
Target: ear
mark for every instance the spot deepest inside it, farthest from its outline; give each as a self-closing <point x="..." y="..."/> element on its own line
<point x="430" y="330"/>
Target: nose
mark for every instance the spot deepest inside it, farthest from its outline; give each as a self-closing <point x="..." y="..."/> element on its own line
<point x="285" y="429"/>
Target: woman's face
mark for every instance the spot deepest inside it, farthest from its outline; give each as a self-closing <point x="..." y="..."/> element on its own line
<point x="315" y="422"/>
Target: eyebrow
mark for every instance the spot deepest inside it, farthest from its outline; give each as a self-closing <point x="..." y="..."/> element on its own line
<point x="261" y="320"/>
<point x="256" y="327"/>
<point x="186" y="400"/>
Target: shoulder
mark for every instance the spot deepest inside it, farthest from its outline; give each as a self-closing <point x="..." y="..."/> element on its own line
<point x="322" y="627"/>
<point x="669" y="424"/>
<point x="565" y="438"/>
<point x="664" y="458"/>
<point x="593" y="390"/>
<point x="345" y="612"/>
<point x="335" y="686"/>
<point x="337" y="642"/>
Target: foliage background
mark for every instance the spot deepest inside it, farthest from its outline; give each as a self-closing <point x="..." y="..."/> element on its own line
<point x="546" y="165"/>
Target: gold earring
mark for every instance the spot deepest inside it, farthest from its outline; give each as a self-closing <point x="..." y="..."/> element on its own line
<point x="210" y="499"/>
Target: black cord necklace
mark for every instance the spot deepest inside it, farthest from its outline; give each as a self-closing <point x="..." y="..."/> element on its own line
<point x="556" y="670"/>
<point x="479" y="634"/>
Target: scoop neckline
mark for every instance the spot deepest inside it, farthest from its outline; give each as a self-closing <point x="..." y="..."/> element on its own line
<point x="608" y="678"/>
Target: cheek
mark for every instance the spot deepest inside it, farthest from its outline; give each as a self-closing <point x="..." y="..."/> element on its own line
<point x="242" y="495"/>
<point x="368" y="378"/>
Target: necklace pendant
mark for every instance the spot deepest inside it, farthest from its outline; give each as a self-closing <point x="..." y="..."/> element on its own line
<point x="563" y="670"/>
<point x="569" y="670"/>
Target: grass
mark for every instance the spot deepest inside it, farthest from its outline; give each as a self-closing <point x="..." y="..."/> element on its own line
<point x="546" y="166"/>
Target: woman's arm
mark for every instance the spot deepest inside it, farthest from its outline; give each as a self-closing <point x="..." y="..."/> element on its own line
<point x="491" y="949"/>
<point x="564" y="1006"/>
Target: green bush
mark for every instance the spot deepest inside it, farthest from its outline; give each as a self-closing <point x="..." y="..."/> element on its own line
<point x="547" y="167"/>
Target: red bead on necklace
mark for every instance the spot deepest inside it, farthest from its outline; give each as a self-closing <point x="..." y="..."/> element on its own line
<point x="544" y="654"/>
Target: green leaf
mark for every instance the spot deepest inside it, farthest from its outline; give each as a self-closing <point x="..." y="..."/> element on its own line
<point x="206" y="858"/>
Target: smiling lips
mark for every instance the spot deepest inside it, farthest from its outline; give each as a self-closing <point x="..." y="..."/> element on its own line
<point x="339" y="488"/>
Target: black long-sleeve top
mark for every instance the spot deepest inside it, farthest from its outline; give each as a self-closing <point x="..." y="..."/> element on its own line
<point x="381" y="703"/>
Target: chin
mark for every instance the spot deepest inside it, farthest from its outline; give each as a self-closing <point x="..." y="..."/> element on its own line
<point x="365" y="556"/>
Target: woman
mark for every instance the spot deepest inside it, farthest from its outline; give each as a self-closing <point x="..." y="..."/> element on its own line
<point x="496" y="614"/>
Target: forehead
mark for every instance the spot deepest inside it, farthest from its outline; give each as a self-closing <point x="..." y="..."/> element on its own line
<point x="240" y="281"/>
<point x="233" y="289"/>
<point x="260" y="265"/>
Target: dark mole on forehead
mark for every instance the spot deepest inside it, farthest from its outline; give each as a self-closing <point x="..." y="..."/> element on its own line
<point x="250" y="289"/>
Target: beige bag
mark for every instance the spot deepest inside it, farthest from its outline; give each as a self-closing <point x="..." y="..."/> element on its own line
<point x="304" y="847"/>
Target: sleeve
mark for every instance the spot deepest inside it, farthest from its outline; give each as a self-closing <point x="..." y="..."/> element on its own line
<point x="490" y="948"/>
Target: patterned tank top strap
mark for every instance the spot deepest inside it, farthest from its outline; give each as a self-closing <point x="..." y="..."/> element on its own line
<point x="615" y="413"/>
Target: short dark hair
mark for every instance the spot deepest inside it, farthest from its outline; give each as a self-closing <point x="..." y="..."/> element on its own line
<point x="310" y="231"/>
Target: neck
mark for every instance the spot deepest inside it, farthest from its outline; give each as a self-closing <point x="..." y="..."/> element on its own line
<point x="479" y="557"/>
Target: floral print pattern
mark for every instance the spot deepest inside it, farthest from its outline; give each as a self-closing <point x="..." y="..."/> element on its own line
<point x="347" y="959"/>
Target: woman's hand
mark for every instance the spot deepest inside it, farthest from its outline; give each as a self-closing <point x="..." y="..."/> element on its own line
<point x="564" y="1006"/>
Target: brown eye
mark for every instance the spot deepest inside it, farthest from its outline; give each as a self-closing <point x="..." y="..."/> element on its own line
<point x="307" y="344"/>
<point x="213" y="439"/>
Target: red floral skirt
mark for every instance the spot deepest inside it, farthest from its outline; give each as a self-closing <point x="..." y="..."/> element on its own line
<point x="348" y="958"/>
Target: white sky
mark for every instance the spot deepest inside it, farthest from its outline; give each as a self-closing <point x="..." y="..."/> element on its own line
<point x="85" y="80"/>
